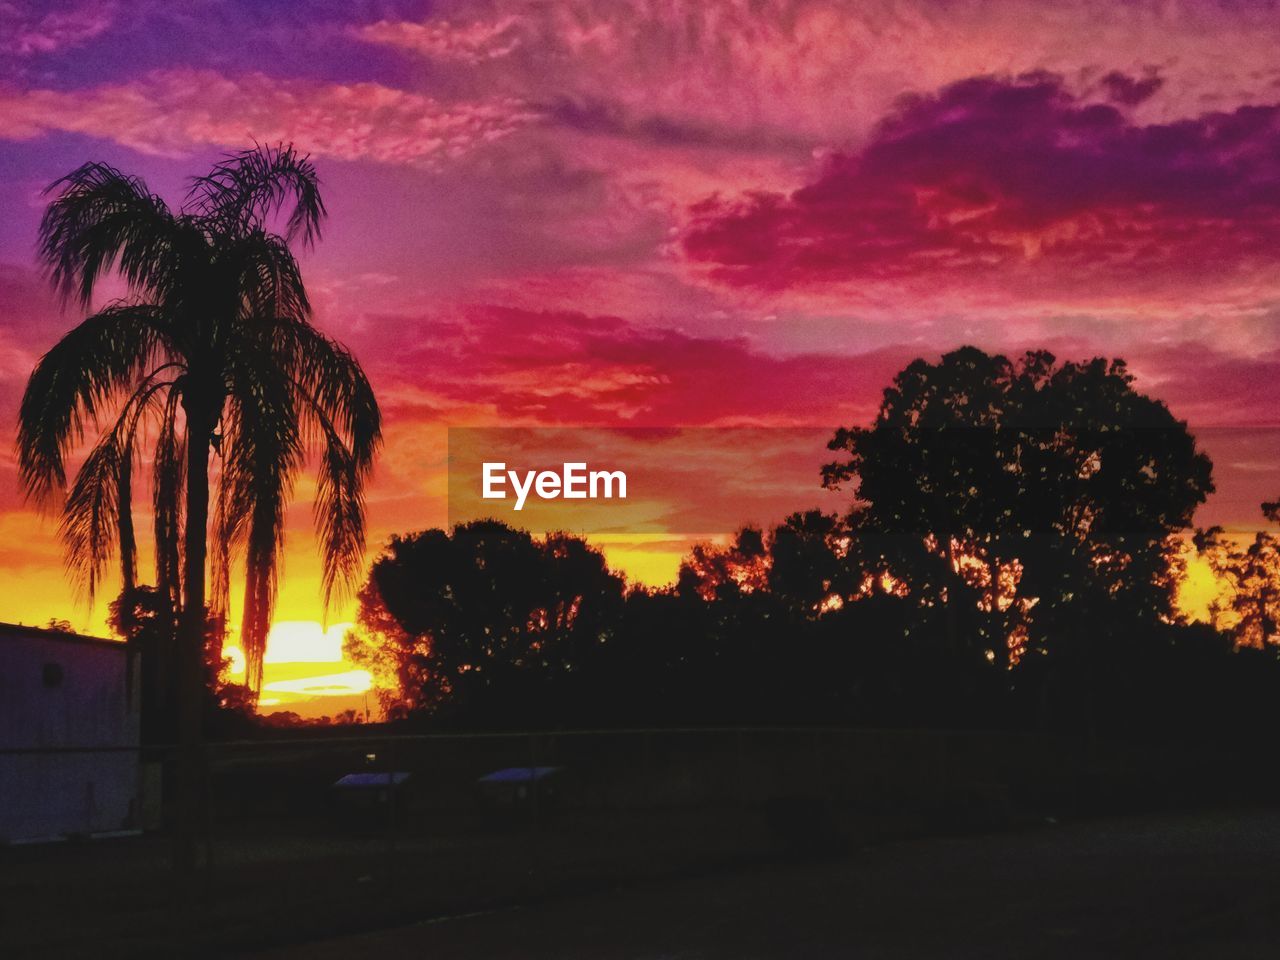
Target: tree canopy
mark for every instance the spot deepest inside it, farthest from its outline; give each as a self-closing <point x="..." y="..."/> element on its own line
<point x="486" y="618"/>
<point x="1014" y="493"/>
<point x="211" y="351"/>
<point x="1010" y="557"/>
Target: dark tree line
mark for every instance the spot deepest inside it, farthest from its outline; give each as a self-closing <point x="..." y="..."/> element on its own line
<point x="1011" y="555"/>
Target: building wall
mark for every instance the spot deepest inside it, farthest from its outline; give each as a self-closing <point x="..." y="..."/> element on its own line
<point x="59" y="693"/>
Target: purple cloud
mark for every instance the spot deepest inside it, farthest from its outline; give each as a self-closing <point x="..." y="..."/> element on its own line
<point x="1021" y="184"/>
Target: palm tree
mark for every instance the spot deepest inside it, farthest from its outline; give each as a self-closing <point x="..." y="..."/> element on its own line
<point x="211" y="352"/>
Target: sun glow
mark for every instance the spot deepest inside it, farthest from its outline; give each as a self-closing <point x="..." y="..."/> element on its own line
<point x="1198" y="588"/>
<point x="296" y="641"/>
<point x="303" y="661"/>
<point x="340" y="684"/>
<point x="305" y="641"/>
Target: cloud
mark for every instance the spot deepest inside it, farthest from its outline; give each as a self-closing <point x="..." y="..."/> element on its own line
<point x="35" y="29"/>
<point x="1214" y="389"/>
<point x="521" y="367"/>
<point x="669" y="103"/>
<point x="1131" y="91"/>
<point x="527" y="369"/>
<point x="1019" y="187"/>
<point x="825" y="70"/>
<point x="468" y="43"/>
<point x="174" y="111"/>
<point x="600" y="117"/>
<point x="563" y="368"/>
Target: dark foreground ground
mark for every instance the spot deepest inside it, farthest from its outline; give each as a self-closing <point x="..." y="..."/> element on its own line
<point x="1170" y="886"/>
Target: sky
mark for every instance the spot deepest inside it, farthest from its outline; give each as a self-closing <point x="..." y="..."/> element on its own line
<point x="658" y="213"/>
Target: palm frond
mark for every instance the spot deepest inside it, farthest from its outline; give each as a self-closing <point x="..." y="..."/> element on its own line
<point x="338" y="513"/>
<point x="91" y="514"/>
<point x="260" y="459"/>
<point x="98" y="512"/>
<point x="227" y="534"/>
<point x="340" y="420"/>
<point x="243" y="191"/>
<point x="335" y="388"/>
<point x="268" y="278"/>
<point x="72" y="384"/>
<point x="101" y="218"/>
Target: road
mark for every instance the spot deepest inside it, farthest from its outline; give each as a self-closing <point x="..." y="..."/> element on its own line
<point x="1173" y="886"/>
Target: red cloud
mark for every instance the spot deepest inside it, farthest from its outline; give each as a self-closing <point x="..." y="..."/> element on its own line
<point x="1018" y="185"/>
<point x="561" y="368"/>
<point x="489" y="366"/>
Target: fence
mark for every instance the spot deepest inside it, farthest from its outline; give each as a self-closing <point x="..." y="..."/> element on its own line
<point x="311" y="836"/>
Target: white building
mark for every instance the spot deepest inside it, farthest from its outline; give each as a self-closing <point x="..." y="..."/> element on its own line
<point x="63" y="698"/>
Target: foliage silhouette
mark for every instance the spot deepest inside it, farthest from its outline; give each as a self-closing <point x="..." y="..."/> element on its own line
<point x="145" y="618"/>
<point x="1010" y="559"/>
<point x="486" y="619"/>
<point x="1035" y="503"/>
<point x="214" y="349"/>
<point x="1249" y="605"/>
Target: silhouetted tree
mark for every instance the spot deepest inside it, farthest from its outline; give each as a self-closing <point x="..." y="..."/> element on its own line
<point x="486" y="623"/>
<point x="145" y="618"/>
<point x="1249" y="606"/>
<point x="1033" y="503"/>
<point x="1013" y="545"/>
<point x="810" y="570"/>
<point x="214" y="349"/>
<point x="739" y="567"/>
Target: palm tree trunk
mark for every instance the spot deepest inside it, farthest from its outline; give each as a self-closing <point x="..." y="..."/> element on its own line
<point x="191" y="642"/>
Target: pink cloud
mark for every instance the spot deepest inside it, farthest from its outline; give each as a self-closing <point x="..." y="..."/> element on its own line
<point x="469" y="43"/>
<point x="36" y="29"/>
<point x="1018" y="187"/>
<point x="663" y="105"/>
<point x="825" y="70"/>
<point x="173" y="111"/>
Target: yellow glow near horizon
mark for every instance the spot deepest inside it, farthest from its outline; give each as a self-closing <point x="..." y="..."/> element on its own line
<point x="305" y="641"/>
<point x="1198" y="589"/>
<point x="293" y="642"/>
<point x="340" y="684"/>
<point x="648" y="559"/>
<point x="305" y="669"/>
